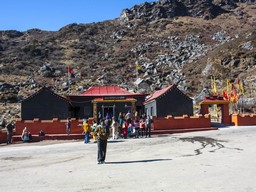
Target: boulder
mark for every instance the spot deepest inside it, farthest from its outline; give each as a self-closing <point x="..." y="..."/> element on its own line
<point x="47" y="71"/>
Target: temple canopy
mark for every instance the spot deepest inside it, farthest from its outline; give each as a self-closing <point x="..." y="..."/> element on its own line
<point x="107" y="100"/>
<point x="214" y="100"/>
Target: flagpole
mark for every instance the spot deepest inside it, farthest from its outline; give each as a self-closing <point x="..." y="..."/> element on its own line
<point x="68" y="79"/>
<point x="137" y="71"/>
<point x="243" y="104"/>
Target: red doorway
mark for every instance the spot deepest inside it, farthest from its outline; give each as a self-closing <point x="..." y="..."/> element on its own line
<point x="221" y="105"/>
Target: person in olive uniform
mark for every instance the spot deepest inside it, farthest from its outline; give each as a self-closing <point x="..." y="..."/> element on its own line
<point x="101" y="133"/>
<point x="9" y="132"/>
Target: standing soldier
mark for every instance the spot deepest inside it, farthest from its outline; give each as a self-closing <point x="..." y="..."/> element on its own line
<point x="9" y="130"/>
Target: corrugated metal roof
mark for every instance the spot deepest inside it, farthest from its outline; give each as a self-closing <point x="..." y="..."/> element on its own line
<point x="105" y="91"/>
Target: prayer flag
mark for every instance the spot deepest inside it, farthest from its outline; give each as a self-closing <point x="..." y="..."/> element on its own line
<point x="240" y="86"/>
<point x="233" y="94"/>
<point x="225" y="95"/>
<point x="137" y="66"/>
<point x="213" y="84"/>
<point x="228" y="85"/>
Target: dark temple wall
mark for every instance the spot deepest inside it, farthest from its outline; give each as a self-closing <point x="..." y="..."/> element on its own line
<point x="175" y="103"/>
<point x="45" y="105"/>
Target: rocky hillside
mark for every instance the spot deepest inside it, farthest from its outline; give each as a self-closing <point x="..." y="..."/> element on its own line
<point x="170" y="41"/>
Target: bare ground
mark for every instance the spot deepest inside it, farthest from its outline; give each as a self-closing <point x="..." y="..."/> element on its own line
<point x="220" y="160"/>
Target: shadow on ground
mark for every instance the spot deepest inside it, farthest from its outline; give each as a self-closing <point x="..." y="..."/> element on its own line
<point x="115" y="141"/>
<point x="138" y="161"/>
<point x="219" y="125"/>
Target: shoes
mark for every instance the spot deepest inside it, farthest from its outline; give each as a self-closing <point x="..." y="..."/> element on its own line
<point x="101" y="162"/>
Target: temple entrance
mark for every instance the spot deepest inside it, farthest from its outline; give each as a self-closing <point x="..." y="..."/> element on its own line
<point x="112" y="108"/>
<point x="215" y="113"/>
<point x="218" y="108"/>
<point x="108" y="110"/>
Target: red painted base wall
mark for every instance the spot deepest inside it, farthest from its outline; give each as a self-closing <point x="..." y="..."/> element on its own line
<point x="54" y="126"/>
<point x="2" y="137"/>
<point x="183" y="122"/>
<point x="243" y="119"/>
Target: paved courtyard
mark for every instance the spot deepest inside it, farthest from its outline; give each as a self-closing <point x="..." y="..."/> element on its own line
<point x="210" y="161"/>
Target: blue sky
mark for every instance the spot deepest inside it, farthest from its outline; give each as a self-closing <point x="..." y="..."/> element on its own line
<point x="51" y="15"/>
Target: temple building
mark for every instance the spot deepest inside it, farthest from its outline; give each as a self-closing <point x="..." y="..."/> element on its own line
<point x="169" y="101"/>
<point x="99" y="101"/>
<point x="44" y="105"/>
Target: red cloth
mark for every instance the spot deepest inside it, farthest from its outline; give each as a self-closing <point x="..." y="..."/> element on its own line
<point x="125" y="128"/>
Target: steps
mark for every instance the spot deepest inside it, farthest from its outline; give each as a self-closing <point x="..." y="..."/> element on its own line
<point x="36" y="138"/>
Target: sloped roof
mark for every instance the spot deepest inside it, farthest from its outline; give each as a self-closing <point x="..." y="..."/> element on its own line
<point x="107" y="91"/>
<point x="47" y="90"/>
<point x="159" y="93"/>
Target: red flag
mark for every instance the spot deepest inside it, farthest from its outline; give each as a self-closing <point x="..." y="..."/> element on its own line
<point x="225" y="95"/>
<point x="70" y="70"/>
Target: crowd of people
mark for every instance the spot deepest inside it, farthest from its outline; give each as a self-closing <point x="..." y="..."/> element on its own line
<point x="125" y="126"/>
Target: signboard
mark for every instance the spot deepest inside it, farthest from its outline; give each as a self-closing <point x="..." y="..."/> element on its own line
<point x="114" y="98"/>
